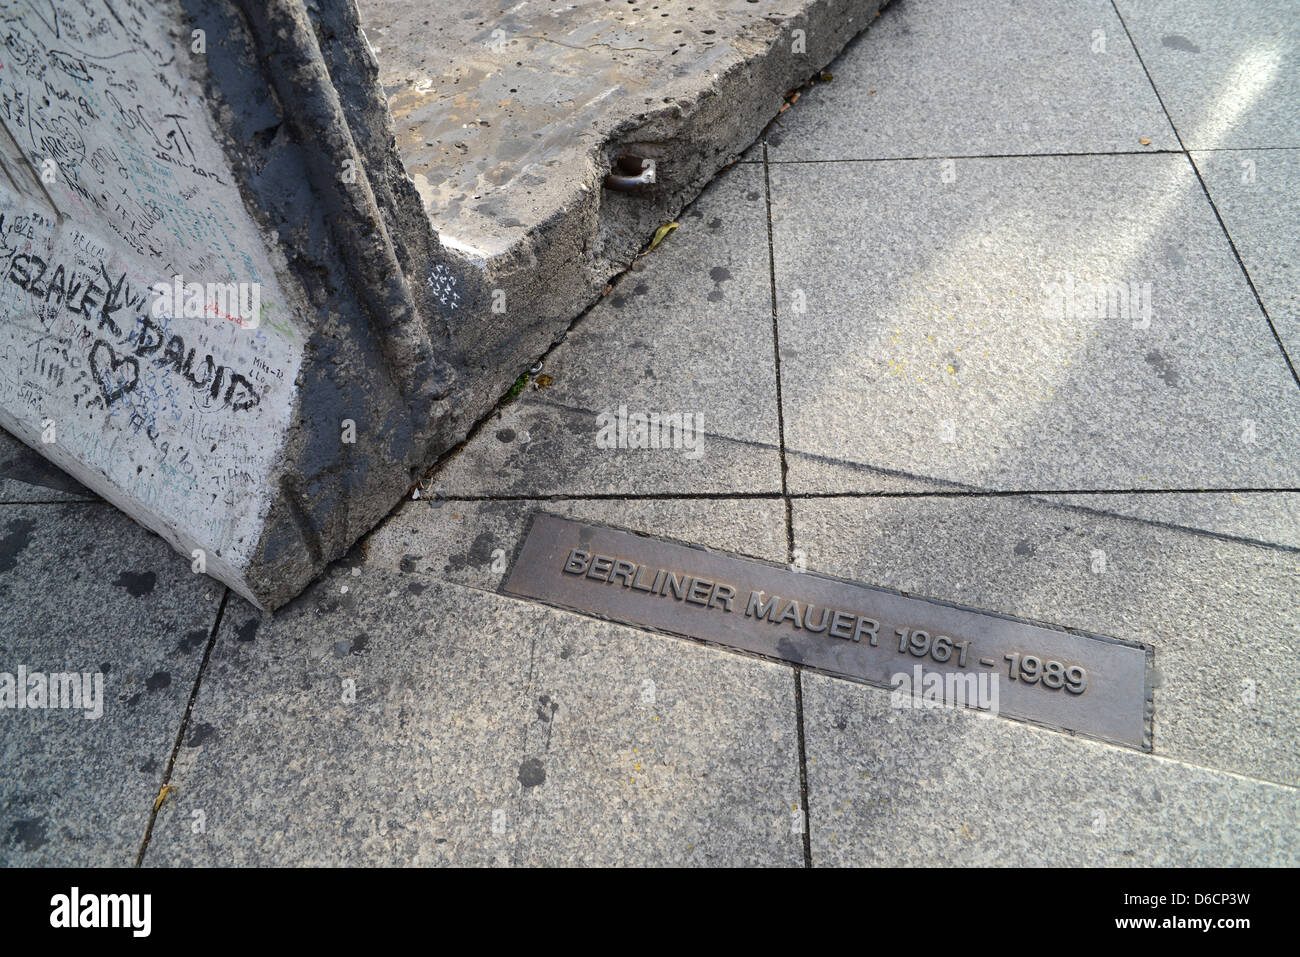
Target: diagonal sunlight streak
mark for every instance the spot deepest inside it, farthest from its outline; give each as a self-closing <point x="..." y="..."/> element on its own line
<point x="1007" y="389"/>
<point x="1252" y="75"/>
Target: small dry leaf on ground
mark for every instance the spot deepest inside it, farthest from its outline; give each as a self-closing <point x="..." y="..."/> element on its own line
<point x="162" y="796"/>
<point x="660" y="233"/>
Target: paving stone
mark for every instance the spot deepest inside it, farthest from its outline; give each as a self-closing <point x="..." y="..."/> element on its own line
<point x="85" y="590"/>
<point x="924" y="788"/>
<point x="26" y="477"/>
<point x="1221" y="616"/>
<point x="979" y="78"/>
<point x="689" y="333"/>
<point x="484" y="731"/>
<point x="1257" y="192"/>
<point x="939" y="343"/>
<point x="472" y="543"/>
<point x="754" y="154"/>
<point x="1227" y="72"/>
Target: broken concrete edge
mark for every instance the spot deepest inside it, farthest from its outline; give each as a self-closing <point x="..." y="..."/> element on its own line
<point x="564" y="266"/>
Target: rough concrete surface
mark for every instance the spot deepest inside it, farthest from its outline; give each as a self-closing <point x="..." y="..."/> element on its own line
<point x="508" y="119"/>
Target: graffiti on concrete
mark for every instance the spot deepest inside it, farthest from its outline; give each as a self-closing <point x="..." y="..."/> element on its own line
<point x="112" y="182"/>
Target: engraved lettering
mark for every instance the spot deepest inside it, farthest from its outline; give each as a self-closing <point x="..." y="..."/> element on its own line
<point x="577" y="563"/>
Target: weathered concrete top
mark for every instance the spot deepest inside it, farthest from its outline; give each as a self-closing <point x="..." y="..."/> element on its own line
<point x="501" y="114"/>
<point x="508" y="117"/>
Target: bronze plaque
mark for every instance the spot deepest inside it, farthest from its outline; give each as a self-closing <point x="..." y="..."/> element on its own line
<point x="930" y="653"/>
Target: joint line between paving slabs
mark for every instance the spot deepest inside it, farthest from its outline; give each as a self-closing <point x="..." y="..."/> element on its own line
<point x="813" y="496"/>
<point x="493" y="413"/>
<point x="776" y="361"/>
<point x="789" y="513"/>
<point x="185" y="723"/>
<point x="1036" y="496"/>
<point x="803" y="766"/>
<point x="1208" y="198"/>
<point x="976" y="156"/>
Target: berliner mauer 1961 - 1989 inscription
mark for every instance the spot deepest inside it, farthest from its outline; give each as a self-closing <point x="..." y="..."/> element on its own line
<point x="921" y="647"/>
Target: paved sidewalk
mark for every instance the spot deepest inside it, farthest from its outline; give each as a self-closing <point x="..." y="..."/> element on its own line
<point x="871" y="315"/>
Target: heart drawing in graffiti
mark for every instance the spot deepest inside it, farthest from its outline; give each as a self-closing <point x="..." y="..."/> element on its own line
<point x="116" y="375"/>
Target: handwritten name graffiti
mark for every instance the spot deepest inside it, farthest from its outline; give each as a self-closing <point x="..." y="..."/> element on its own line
<point x="98" y="299"/>
<point x="239" y="393"/>
<point x="97" y="303"/>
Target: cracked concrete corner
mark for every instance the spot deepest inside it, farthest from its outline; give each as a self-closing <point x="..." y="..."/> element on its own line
<point x="507" y="124"/>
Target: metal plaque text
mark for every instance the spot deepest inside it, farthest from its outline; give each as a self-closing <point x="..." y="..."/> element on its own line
<point x="929" y="653"/>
